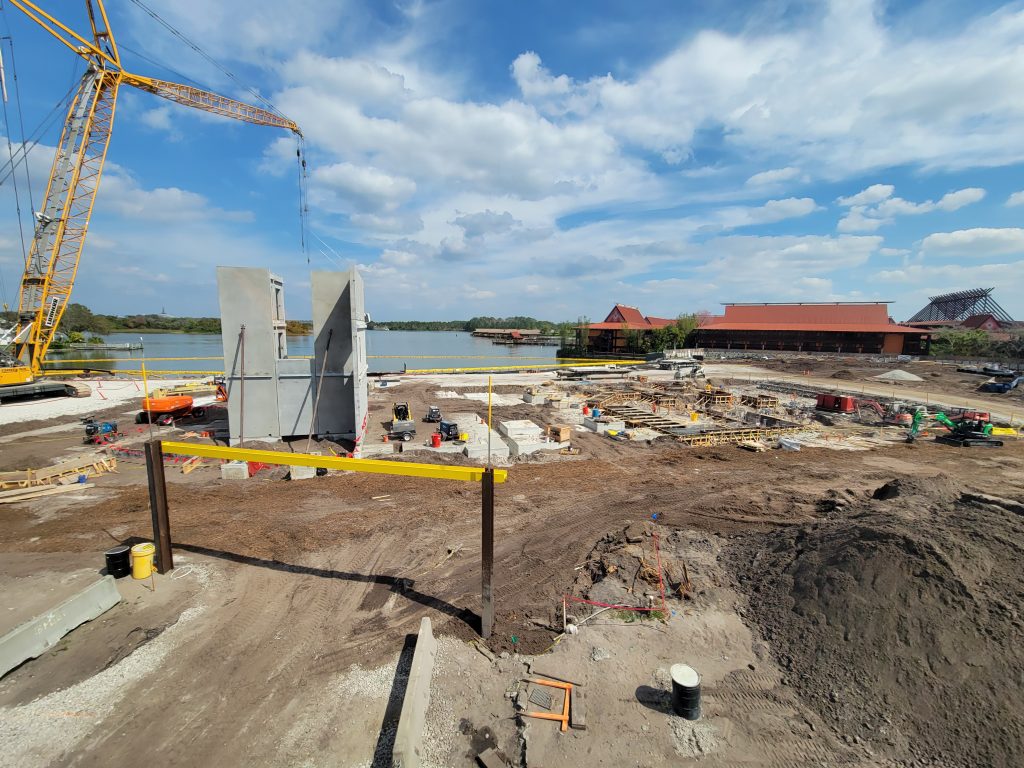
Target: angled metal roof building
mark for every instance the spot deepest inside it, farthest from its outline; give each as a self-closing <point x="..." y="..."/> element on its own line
<point x="956" y="307"/>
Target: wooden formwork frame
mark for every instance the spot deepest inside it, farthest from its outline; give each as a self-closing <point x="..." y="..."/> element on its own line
<point x="738" y="435"/>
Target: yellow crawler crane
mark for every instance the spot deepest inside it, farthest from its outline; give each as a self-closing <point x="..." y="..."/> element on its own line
<point x="62" y="224"/>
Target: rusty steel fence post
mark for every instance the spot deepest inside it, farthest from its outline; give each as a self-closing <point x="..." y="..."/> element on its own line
<point x="158" y="506"/>
<point x="487" y="554"/>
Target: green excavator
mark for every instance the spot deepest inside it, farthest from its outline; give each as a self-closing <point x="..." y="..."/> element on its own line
<point x="966" y="433"/>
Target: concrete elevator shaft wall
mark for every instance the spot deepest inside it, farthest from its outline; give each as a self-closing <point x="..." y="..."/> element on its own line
<point x="278" y="398"/>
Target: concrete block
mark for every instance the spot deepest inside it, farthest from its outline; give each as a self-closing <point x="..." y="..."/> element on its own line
<point x="578" y="710"/>
<point x="234" y="470"/>
<point x="303" y="473"/>
<point x="602" y="425"/>
<point x="528" y="445"/>
<point x="538" y="399"/>
<point x="35" y="636"/>
<point x="408" y="749"/>
<point x="499" y="450"/>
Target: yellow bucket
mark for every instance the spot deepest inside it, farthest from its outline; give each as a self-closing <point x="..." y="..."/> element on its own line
<point x="142" y="560"/>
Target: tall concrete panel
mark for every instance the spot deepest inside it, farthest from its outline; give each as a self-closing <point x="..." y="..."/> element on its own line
<point x="339" y="325"/>
<point x="253" y="299"/>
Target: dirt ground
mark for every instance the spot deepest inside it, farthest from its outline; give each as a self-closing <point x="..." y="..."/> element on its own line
<point x="940" y="378"/>
<point x="280" y="638"/>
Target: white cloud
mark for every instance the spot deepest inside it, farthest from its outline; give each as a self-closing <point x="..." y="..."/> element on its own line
<point x="857" y="220"/>
<point x="920" y="281"/>
<point x="534" y="80"/>
<point x="876" y="193"/>
<point x="776" y="176"/>
<point x="980" y="242"/>
<point x="361" y="188"/>
<point x="1017" y="198"/>
<point x="486" y="222"/>
<point x="875" y="206"/>
<point x="880" y="99"/>
<point x="159" y="119"/>
<point x="951" y="201"/>
<point x="777" y="210"/>
<point x="120" y="193"/>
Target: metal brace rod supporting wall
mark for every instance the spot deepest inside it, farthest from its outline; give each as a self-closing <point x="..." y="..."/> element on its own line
<point x="486" y="476"/>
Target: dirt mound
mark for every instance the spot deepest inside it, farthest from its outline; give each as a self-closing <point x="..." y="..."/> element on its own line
<point x="900" y="621"/>
<point x="843" y="374"/>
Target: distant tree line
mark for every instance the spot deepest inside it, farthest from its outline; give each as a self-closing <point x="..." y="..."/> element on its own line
<point x="546" y="327"/>
<point x="977" y="343"/>
<point x="80" y="319"/>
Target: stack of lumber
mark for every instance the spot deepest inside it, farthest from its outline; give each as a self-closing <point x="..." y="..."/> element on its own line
<point x="89" y="465"/>
<point x="31" y="494"/>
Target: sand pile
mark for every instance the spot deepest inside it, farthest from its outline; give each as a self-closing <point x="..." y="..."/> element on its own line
<point x="896" y="375"/>
<point x="900" y="619"/>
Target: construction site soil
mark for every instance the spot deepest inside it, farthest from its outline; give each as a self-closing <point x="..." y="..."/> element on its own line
<point x="898" y="616"/>
<point x="894" y="614"/>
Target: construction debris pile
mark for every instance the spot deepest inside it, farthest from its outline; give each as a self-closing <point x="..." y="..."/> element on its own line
<point x="895" y="625"/>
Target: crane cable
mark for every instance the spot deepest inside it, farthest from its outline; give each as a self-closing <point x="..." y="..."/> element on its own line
<point x="300" y="154"/>
<point x="17" y="192"/>
<point x="28" y="145"/>
<point x="301" y="149"/>
<point x="195" y="47"/>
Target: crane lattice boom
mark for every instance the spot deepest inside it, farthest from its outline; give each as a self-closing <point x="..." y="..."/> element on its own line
<point x="61" y="227"/>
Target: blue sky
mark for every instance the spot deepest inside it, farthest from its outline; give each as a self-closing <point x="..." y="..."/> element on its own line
<point x="553" y="158"/>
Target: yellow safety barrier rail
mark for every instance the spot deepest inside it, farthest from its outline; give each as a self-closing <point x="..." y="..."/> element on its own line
<point x="136" y="371"/>
<point x="371" y="466"/>
<point x="129" y="360"/>
<point x="409" y="371"/>
<point x="588" y="364"/>
<point x="307" y="357"/>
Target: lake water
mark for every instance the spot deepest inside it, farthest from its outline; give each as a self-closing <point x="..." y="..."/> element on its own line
<point x="387" y="351"/>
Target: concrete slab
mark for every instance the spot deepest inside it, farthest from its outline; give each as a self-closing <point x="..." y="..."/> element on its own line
<point x="521" y="428"/>
<point x="477" y="431"/>
<point x="408" y="750"/>
<point x="603" y="425"/>
<point x="41" y="632"/>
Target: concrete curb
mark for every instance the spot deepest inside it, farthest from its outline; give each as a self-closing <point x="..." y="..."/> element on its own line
<point x="37" y="635"/>
<point x="408" y="750"/>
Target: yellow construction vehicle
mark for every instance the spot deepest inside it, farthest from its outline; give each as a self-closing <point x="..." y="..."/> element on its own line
<point x="62" y="224"/>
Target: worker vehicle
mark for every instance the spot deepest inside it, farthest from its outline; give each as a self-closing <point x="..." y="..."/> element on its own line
<point x="402" y="426"/>
<point x="965" y="433"/>
<point x="691" y="371"/>
<point x="164" y="410"/>
<point x="433" y="415"/>
<point x="61" y="226"/>
<point x="100" y="432"/>
<point x="449" y="430"/>
<point x="894" y="413"/>
<point x="1001" y="387"/>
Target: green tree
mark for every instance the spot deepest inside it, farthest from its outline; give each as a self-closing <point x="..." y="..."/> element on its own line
<point x="962" y="343"/>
